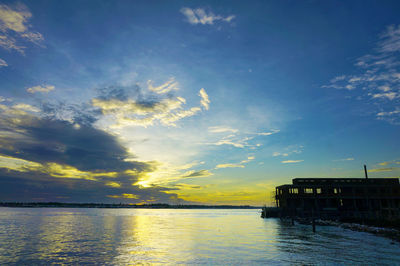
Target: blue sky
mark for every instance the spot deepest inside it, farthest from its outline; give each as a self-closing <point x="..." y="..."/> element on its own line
<point x="204" y="102"/>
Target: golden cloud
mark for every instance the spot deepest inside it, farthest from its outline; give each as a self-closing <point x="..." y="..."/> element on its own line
<point x="389" y="169"/>
<point x="44" y="89"/>
<point x="124" y="196"/>
<point x="229" y="165"/>
<point x="205" y="101"/>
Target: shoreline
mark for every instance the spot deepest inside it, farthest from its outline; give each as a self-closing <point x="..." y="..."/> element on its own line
<point x="388" y="232"/>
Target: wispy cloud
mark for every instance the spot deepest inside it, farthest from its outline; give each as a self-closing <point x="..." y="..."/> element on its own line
<point x="390" y="40"/>
<point x="3" y="63"/>
<point x="14" y="25"/>
<point x="249" y="159"/>
<point x="195" y="174"/>
<point x="43" y="89"/>
<point x="293" y="161"/>
<point x="236" y="139"/>
<point x="274" y="131"/>
<point x="389" y="163"/>
<point x="236" y="165"/>
<point x="388" y="169"/>
<point x="229" y="165"/>
<point x="201" y="16"/>
<point x="124" y="196"/>
<point x="168" y="86"/>
<point x="232" y="140"/>
<point x="344" y="159"/>
<point x="221" y="129"/>
<point x="377" y="77"/>
<point x="293" y="149"/>
<point x="205" y="102"/>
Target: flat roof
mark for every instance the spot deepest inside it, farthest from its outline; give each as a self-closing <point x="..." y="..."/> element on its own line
<point x="344" y="181"/>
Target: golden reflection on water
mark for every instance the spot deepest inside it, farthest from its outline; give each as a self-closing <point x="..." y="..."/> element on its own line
<point x="162" y="236"/>
<point x="156" y="236"/>
<point x="58" y="234"/>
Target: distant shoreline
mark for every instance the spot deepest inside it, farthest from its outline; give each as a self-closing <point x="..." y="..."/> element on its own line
<point x="118" y="206"/>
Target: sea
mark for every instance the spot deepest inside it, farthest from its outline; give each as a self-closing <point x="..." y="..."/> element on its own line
<point x="76" y="236"/>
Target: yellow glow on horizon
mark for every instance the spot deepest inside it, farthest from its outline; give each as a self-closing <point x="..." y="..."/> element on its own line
<point x="252" y="194"/>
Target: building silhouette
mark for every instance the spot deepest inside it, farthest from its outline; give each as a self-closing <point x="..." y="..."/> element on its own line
<point x="340" y="198"/>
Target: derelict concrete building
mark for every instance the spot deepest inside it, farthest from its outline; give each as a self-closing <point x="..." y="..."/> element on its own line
<point x="342" y="198"/>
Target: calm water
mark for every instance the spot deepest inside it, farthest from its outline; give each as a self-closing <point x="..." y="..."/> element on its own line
<point x="129" y="236"/>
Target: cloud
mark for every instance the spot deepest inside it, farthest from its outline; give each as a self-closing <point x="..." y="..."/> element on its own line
<point x="26" y="107"/>
<point x="229" y="165"/>
<point x="44" y="89"/>
<point x="275" y="154"/>
<point x="389" y="169"/>
<point x="36" y="186"/>
<point x="113" y="184"/>
<point x="200" y="16"/>
<point x="249" y="159"/>
<point x="229" y="141"/>
<point x="187" y="186"/>
<point x="390" y="40"/>
<point x="377" y="77"/>
<point x="200" y="173"/>
<point x="140" y="110"/>
<point x="293" y="161"/>
<point x="168" y="86"/>
<point x="3" y="63"/>
<point x="45" y="159"/>
<point x="397" y="111"/>
<point x="221" y="129"/>
<point x="164" y="174"/>
<point x="236" y="165"/>
<point x="274" y="131"/>
<point x="345" y="159"/>
<point x="14" y="25"/>
<point x="76" y="114"/>
<point x="237" y="140"/>
<point x="387" y="95"/>
<point x="124" y="196"/>
<point x="42" y="140"/>
<point x="205" y="102"/>
<point x="293" y="149"/>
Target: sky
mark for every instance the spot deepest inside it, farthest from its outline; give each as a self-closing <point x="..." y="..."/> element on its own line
<point x="194" y="102"/>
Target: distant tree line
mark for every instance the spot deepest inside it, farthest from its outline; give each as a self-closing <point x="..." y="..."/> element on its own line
<point x="119" y="205"/>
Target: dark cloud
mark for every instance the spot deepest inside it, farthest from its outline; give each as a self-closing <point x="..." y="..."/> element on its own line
<point x="36" y="186"/>
<point x="64" y="135"/>
<point x="49" y="140"/>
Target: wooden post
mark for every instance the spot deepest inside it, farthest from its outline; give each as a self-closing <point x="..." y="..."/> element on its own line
<point x="313" y="221"/>
<point x="313" y="225"/>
